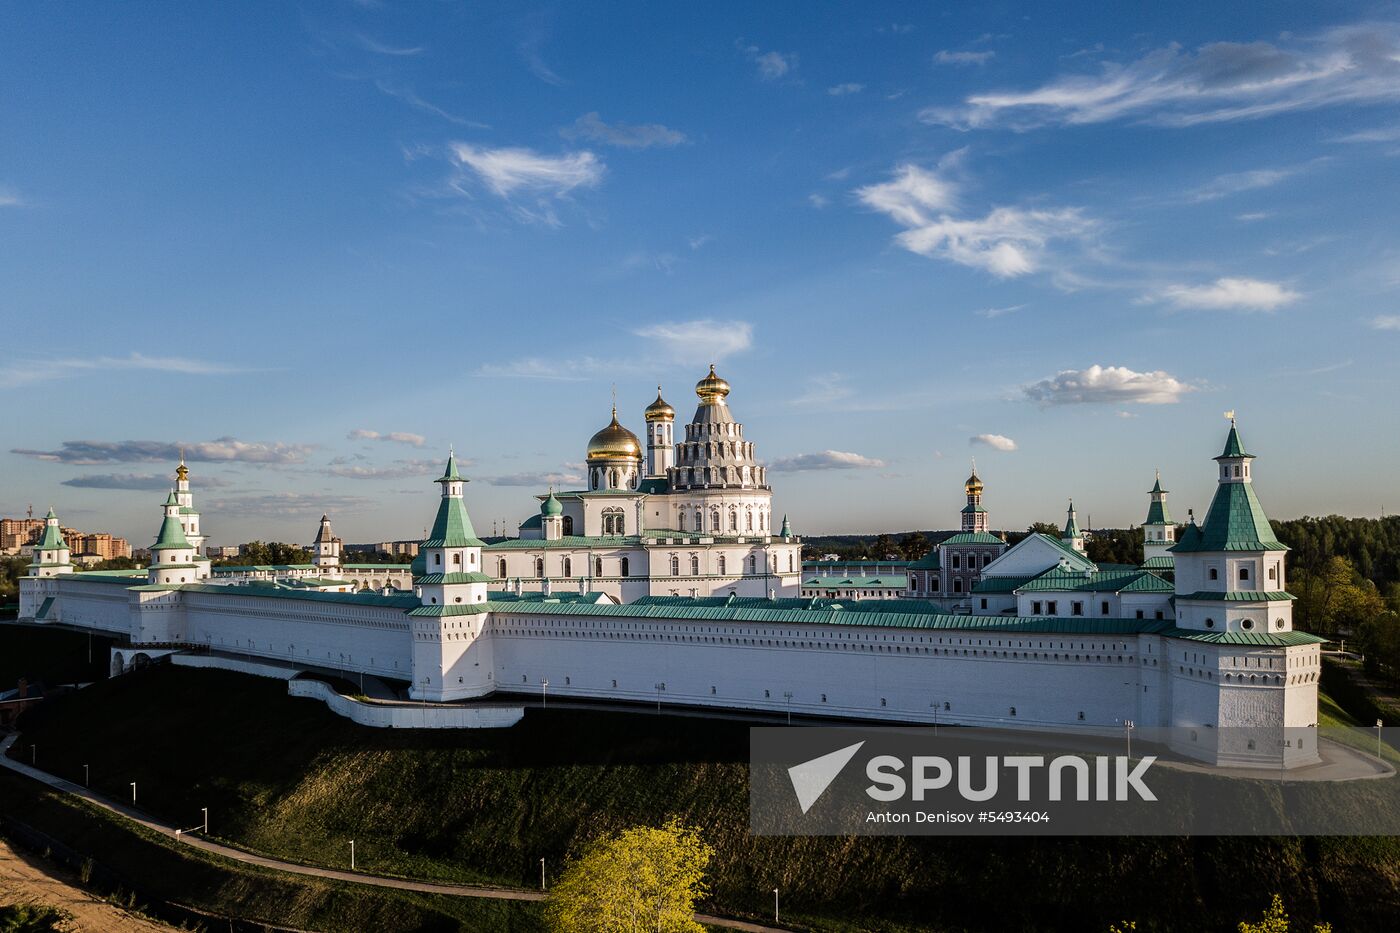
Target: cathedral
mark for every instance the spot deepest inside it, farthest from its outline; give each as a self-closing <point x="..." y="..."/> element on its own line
<point x="664" y="581"/>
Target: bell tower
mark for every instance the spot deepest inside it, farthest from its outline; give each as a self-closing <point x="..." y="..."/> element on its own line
<point x="661" y="438"/>
<point x="974" y="517"/>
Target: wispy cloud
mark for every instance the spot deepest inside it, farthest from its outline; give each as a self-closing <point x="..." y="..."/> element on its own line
<point x="137" y="481"/>
<point x="817" y="200"/>
<point x="1218" y="82"/>
<point x="528" y="180"/>
<point x="771" y="65"/>
<point x="1114" y="385"/>
<point x="824" y="390"/>
<point x="994" y="441"/>
<point x="399" y="469"/>
<point x="397" y="437"/>
<point x="406" y="94"/>
<point x="991" y="313"/>
<point x="371" y="44"/>
<point x="1228" y="294"/>
<point x="1379" y="134"/>
<point x="8" y="198"/>
<point x="223" y="449"/>
<point x="1235" y="182"/>
<point x="23" y="372"/>
<point x="706" y="339"/>
<point x="529" y="49"/>
<point x="535" y="480"/>
<point x="1386" y="322"/>
<point x="945" y="57"/>
<point x="825" y="460"/>
<point x="591" y="127"/>
<point x="841" y="90"/>
<point x="288" y="503"/>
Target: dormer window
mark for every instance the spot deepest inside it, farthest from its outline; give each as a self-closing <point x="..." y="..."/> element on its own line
<point x="1244" y="573"/>
<point x="1214" y="574"/>
<point x="437" y="560"/>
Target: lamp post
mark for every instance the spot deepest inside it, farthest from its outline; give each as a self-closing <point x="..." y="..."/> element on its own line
<point x="541" y="874"/>
<point x="775" y="905"/>
<point x="205" y="811"/>
<point x="86" y="782"/>
<point x="1378" y="737"/>
<point x="933" y="705"/>
<point x="544" y="694"/>
<point x="660" y="686"/>
<point x="787" y="695"/>
<point x="1128" y="731"/>
<point x="352" y="855"/>
<point x="133" y="793"/>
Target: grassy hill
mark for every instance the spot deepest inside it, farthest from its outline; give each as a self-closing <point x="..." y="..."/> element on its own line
<point x="287" y="777"/>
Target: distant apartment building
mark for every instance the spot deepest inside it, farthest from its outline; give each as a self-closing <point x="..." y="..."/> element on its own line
<point x="102" y="546"/>
<point x="19" y="535"/>
<point x="15" y="533"/>
<point x="225" y="551"/>
<point x="398" y="548"/>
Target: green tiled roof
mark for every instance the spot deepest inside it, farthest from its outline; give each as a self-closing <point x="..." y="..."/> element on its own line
<point x="1161" y="562"/>
<point x="405" y="601"/>
<point x="1157" y="514"/>
<point x="172" y="535"/>
<point x="971" y="537"/>
<point x="971" y="509"/>
<point x="534" y="521"/>
<point x="367" y="566"/>
<point x="452" y="609"/>
<point x="1256" y="639"/>
<point x="988" y="585"/>
<point x="452" y="527"/>
<point x="1103" y="581"/>
<point x="579" y="542"/>
<point x="654" y="485"/>
<point x="812" y="565"/>
<point x="186" y="510"/>
<point x="53" y="538"/>
<point x="930" y="561"/>
<point x="1234" y="447"/>
<point x="456" y="578"/>
<point x="110" y="576"/>
<point x="171" y="500"/>
<point x="1235" y="522"/>
<point x="1276" y="596"/>
<point x="450" y="474"/>
<point x="552" y="505"/>
<point x="836" y="582"/>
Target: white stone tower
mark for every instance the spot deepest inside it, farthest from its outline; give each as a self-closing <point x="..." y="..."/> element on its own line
<point x="325" y="550"/>
<point x="174" y="559"/>
<point x="974" y="517"/>
<point x="552" y="517"/>
<point x="189" y="518"/>
<point x="448" y="660"/>
<point x="1072" y="536"/>
<point x="1230" y="570"/>
<point x="661" y="438"/>
<point x="51" y="555"/>
<point x="1158" y="532"/>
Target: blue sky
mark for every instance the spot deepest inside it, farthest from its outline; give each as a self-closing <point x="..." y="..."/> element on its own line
<point x="317" y="243"/>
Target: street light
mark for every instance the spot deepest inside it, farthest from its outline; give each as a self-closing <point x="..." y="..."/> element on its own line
<point x="544" y="694"/>
<point x="775" y="905"/>
<point x="86" y="782"/>
<point x="205" y="810"/>
<point x="787" y="695"/>
<point x="660" y="686"/>
<point x="352" y="855"/>
<point x="934" y="706"/>
<point x="541" y="874"/>
<point x="1378" y="738"/>
<point x="1128" y="730"/>
<point x="133" y="793"/>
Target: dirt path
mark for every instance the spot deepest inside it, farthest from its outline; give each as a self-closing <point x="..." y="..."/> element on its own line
<point x="26" y="880"/>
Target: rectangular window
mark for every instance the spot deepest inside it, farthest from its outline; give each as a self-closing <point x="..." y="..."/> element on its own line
<point x="1076" y="609"/>
<point x="1103" y="606"/>
<point x="1035" y="609"/>
<point x="957" y="586"/>
<point x="984" y="604"/>
<point x="1244" y="573"/>
<point x="1139" y="613"/>
<point x="1052" y="607"/>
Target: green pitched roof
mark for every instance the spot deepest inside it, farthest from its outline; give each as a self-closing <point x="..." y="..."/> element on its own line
<point x="1235" y="522"/>
<point x="1157" y="513"/>
<point x="971" y="537"/>
<point x="172" y="535"/>
<point x="1272" y="596"/>
<point x="1234" y="447"/>
<point x="53" y="537"/>
<point x="988" y="585"/>
<point x="171" y="500"/>
<point x="1103" y="581"/>
<point x="1161" y="562"/>
<point x="1255" y="639"/>
<point x="787" y="528"/>
<point x="452" y="527"/>
<point x="450" y="474"/>
<point x="930" y="561"/>
<point x="1071" y="525"/>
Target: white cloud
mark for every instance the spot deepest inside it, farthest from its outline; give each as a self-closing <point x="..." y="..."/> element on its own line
<point x="1229" y="294"/>
<point x="8" y="198"/>
<point x="994" y="441"/>
<point x="29" y="371"/>
<point x="397" y="437"/>
<point x="707" y="340"/>
<point x="1252" y="216"/>
<point x="1386" y="322"/>
<point x="825" y="460"/>
<point x="698" y="242"/>
<point x="629" y="136"/>
<point x="287" y="503"/>
<point x="1115" y="385"/>
<point x="399" y="469"/>
<point x="992" y="313"/>
<point x="945" y="57"/>
<point x="371" y="44"/>
<point x="840" y="90"/>
<point x="406" y="94"/>
<point x="88" y="453"/>
<point x="536" y="480"/>
<point x="1220" y="81"/>
<point x="1380" y="134"/>
<point x="1007" y="242"/>
<point x="507" y="171"/>
<point x="771" y="65"/>
<point x="136" y="481"/>
<point x="1235" y="182"/>
<point x="817" y="200"/>
<point x="824" y="390"/>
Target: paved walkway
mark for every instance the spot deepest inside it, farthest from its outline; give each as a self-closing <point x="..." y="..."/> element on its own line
<point x="248" y="858"/>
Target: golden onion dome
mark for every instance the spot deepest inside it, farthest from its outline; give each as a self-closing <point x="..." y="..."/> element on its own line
<point x="973" y="484"/>
<point x="614" y="442"/>
<point x="182" y="472"/>
<point x="660" y="410"/>
<point x="712" y="388"/>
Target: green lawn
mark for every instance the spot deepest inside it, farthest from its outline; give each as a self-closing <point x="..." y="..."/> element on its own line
<point x="287" y="777"/>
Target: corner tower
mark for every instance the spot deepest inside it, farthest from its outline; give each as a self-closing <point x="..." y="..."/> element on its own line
<point x="1158" y="532"/>
<point x="51" y="554"/>
<point x="325" y="550"/>
<point x="1072" y="536"/>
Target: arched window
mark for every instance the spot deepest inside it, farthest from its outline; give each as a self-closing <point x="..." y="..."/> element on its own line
<point x="790" y="562"/>
<point x="501" y="568"/>
<point x="597" y="566"/>
<point x="625" y="567"/>
<point x="699" y="520"/>
<point x="733" y="520"/>
<point x="456" y="560"/>
<point x="539" y="567"/>
<point x="721" y="565"/>
<point x="748" y="520"/>
<point x="714" y="519"/>
<point x="675" y="566"/>
<point x="682" y="520"/>
<point x="568" y="567"/>
<point x="612" y="478"/>
<point x="694" y="565"/>
<point x="568" y="524"/>
<point x="753" y="564"/>
<point x="762" y="520"/>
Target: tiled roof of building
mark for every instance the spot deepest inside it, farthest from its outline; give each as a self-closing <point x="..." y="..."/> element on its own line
<point x="1235" y="522"/>
<point x="971" y="537"/>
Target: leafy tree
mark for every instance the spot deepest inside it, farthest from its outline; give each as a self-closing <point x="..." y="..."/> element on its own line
<point x="913" y="545"/>
<point x="883" y="548"/>
<point x="1275" y="920"/>
<point x="1115" y="546"/>
<point x="1333" y="598"/>
<point x="641" y="879"/>
<point x="269" y="552"/>
<point x="117" y="563"/>
<point x="1043" y="528"/>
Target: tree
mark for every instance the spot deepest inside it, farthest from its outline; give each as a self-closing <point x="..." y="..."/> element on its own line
<point x="1334" y="598"/>
<point x="913" y="545"/>
<point x="641" y="879"/>
<point x="1275" y="920"/>
<point x="1044" y="528"/>
<point x="883" y="548"/>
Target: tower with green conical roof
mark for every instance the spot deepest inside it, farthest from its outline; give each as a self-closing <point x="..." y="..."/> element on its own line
<point x="174" y="558"/>
<point x="189" y="516"/>
<point x="448" y="660"/>
<point x="1158" y="532"/>
<point x="1072" y="536"/>
<point x="51" y="554"/>
<point x="552" y="517"/>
